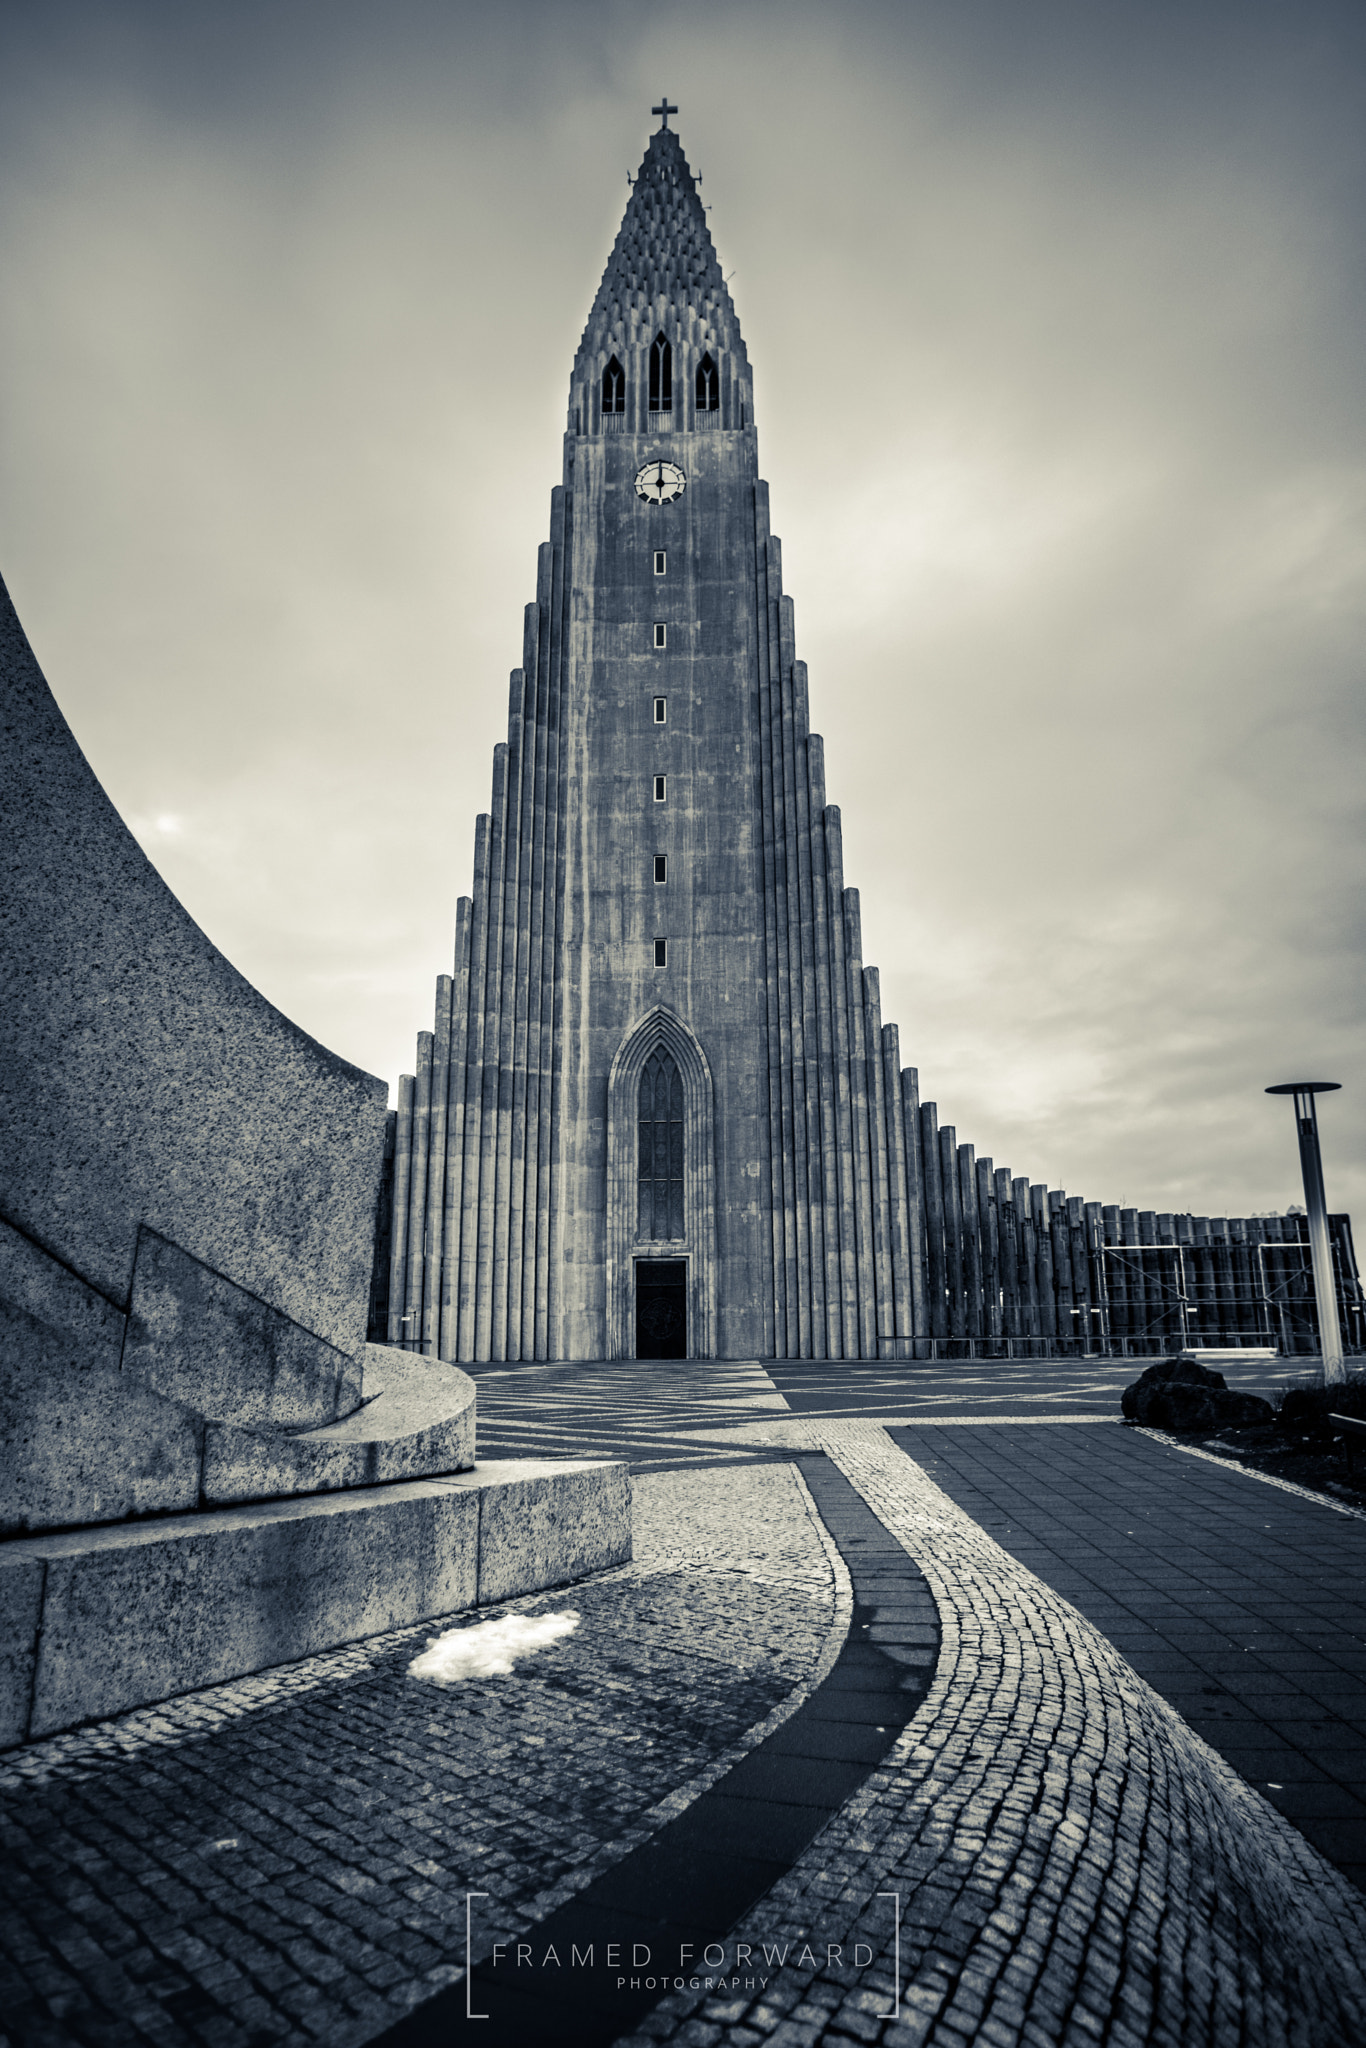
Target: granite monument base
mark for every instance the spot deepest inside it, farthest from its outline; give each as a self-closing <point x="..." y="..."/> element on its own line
<point x="99" y="1620"/>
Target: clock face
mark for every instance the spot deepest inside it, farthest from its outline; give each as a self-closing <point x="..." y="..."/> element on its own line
<point x="659" y="482"/>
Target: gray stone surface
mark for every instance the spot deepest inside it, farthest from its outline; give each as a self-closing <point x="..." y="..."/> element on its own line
<point x="142" y="1080"/>
<point x="542" y="1524"/>
<point x="21" y="1606"/>
<point x="141" y="1611"/>
<point x="417" y="1419"/>
<point x="200" y="1338"/>
<point x="138" y="1613"/>
<point x="82" y="1442"/>
<point x="34" y="1284"/>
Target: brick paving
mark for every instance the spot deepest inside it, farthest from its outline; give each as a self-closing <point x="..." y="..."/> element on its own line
<point x="1072" y="1863"/>
<point x="286" y="1859"/>
<point x="1242" y="1603"/>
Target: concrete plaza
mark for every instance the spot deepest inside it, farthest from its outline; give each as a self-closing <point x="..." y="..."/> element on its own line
<point x="935" y="1705"/>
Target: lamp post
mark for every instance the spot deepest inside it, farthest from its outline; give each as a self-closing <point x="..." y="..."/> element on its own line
<point x="1320" y="1249"/>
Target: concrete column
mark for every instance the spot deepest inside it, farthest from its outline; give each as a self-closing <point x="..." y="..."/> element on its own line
<point x="474" y="1094"/>
<point x="503" y="1018"/>
<point x="792" y="1207"/>
<point x="417" y="1194"/>
<point x="915" y="1207"/>
<point x="435" y="1202"/>
<point x="398" y="1252"/>
<point x="1008" y="1255"/>
<point x="989" y="1240"/>
<point x="858" y="1091"/>
<point x="783" y="641"/>
<point x="843" y="1085"/>
<point x="1061" y="1249"/>
<point x="953" y="1231"/>
<point x="449" y="1329"/>
<point x="779" y="1190"/>
<point x="1030" y="1311"/>
<point x="551" y="889"/>
<point x="810" y="1067"/>
<point x="936" y="1264"/>
<point x="1043" y="1264"/>
<point x="877" y="1159"/>
<point x="488" y="1109"/>
<point x="972" y="1244"/>
<point x="903" y="1300"/>
<point x="826" y="1078"/>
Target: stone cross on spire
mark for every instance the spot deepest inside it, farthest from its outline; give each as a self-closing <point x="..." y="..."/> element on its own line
<point x="665" y="109"/>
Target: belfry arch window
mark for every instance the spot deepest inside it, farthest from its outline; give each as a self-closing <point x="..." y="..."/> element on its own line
<point x="661" y="375"/>
<point x="708" y="385"/>
<point x="613" y="387"/>
<point x="660" y="1200"/>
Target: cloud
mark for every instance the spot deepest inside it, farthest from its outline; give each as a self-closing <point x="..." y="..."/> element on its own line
<point x="1057" y="329"/>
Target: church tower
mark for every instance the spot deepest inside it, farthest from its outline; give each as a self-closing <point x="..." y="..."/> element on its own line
<point x="659" y="1114"/>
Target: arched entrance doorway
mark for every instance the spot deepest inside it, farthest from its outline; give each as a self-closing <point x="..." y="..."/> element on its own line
<point x="661" y="1195"/>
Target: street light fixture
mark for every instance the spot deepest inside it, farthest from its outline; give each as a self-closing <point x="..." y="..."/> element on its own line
<point x="1320" y="1249"/>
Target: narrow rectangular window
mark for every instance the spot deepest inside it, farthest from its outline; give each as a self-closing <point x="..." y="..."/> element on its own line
<point x="661" y="952"/>
<point x="661" y="867"/>
<point x="660" y="562"/>
<point x="659" y="789"/>
<point x="661" y="710"/>
<point x="661" y="636"/>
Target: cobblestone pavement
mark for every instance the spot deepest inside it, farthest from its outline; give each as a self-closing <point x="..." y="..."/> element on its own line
<point x="1243" y="1604"/>
<point x="288" y="1856"/>
<point x="1070" y="1863"/>
<point x="287" y="1859"/>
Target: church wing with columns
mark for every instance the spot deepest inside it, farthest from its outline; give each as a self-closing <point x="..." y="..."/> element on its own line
<point x="659" y="1113"/>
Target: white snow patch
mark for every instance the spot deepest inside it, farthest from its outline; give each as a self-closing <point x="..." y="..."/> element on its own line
<point x="490" y="1649"/>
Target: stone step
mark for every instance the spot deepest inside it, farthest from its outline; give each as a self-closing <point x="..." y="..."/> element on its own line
<point x="96" y="1621"/>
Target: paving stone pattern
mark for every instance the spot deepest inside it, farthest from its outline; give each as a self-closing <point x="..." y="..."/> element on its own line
<point x="590" y="1968"/>
<point x="287" y="1859"/>
<point x="1243" y="1604"/>
<point x="1073" y="1864"/>
<point x="661" y="1417"/>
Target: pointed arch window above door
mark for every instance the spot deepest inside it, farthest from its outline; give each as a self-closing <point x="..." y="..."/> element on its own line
<point x="661" y="375"/>
<point x="708" y="385"/>
<point x="660" y="1205"/>
<point x="613" y="388"/>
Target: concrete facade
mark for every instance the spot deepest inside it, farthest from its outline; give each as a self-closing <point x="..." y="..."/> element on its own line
<point x="659" y="874"/>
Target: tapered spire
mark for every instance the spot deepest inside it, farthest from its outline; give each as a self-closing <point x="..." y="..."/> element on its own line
<point x="663" y="274"/>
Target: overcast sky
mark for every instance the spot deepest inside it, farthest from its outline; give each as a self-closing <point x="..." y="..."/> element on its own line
<point x="1056" y="318"/>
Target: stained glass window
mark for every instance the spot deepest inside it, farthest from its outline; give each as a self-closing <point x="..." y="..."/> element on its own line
<point x="660" y="1213"/>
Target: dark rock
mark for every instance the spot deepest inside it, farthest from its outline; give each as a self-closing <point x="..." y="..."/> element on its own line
<point x="1178" y="1395"/>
